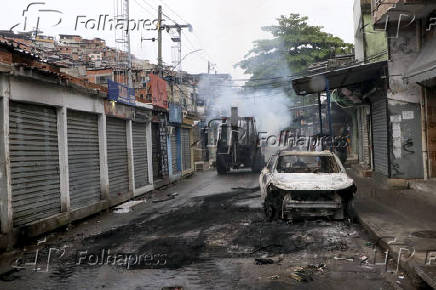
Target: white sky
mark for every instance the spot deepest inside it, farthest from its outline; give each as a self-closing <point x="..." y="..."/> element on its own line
<point x="224" y="29"/>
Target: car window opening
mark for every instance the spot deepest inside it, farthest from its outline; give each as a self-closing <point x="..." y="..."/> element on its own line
<point x="307" y="164"/>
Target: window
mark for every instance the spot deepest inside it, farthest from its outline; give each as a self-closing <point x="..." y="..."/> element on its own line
<point x="307" y="164"/>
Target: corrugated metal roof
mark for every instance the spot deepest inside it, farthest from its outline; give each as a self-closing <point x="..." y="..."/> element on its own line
<point x="22" y="58"/>
<point x="424" y="68"/>
<point x="338" y="78"/>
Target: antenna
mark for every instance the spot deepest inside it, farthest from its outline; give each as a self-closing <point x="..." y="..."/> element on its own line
<point x="122" y="39"/>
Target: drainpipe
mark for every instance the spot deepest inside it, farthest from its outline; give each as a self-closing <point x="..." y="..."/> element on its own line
<point x="424" y="131"/>
<point x="329" y="115"/>
<point x="423" y="104"/>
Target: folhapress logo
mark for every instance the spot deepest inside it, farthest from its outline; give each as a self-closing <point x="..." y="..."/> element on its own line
<point x="36" y="16"/>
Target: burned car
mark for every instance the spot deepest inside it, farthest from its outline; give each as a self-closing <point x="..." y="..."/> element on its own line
<point x="300" y="184"/>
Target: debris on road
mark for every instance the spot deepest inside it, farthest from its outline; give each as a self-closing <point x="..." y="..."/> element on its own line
<point x="127" y="206"/>
<point x="305" y="274"/>
<point x="363" y="259"/>
<point x="349" y="259"/>
<point x="262" y="261"/>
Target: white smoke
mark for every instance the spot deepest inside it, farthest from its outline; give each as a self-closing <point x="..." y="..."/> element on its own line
<point x="270" y="107"/>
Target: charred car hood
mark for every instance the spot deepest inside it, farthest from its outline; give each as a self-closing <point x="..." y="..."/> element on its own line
<point x="311" y="181"/>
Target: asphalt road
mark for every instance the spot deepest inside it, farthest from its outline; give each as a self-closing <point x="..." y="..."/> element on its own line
<point x="207" y="237"/>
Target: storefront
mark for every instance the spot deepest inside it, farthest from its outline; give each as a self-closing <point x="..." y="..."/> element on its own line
<point x="423" y="73"/>
<point x="175" y="142"/>
<point x="187" y="148"/>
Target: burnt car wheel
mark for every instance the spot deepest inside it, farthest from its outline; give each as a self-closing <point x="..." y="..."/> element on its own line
<point x="269" y="211"/>
<point x="273" y="207"/>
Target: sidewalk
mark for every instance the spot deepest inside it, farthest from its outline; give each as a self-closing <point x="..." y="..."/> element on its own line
<point x="402" y="221"/>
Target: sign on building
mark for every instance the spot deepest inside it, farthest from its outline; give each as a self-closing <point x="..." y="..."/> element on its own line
<point x="175" y="115"/>
<point x="120" y="93"/>
<point x="159" y="92"/>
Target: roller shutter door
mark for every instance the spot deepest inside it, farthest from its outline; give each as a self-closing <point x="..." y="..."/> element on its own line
<point x="174" y="155"/>
<point x="139" y="131"/>
<point x="186" y="149"/>
<point x="363" y="135"/>
<point x="83" y="159"/>
<point x="34" y="156"/>
<point x="380" y="136"/>
<point x="117" y="156"/>
<point x="156" y="156"/>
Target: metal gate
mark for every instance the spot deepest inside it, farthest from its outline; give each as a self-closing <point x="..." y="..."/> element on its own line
<point x="139" y="132"/>
<point x="380" y="136"/>
<point x="431" y="130"/>
<point x="364" y="153"/>
<point x="117" y="156"/>
<point x="34" y="157"/>
<point x="186" y="148"/>
<point x="174" y="152"/>
<point x="83" y="158"/>
<point x="156" y="148"/>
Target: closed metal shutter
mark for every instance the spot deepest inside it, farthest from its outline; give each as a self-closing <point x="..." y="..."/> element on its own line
<point x="156" y="158"/>
<point x="380" y="136"/>
<point x="174" y="156"/>
<point x="364" y="137"/>
<point x="139" y="131"/>
<point x="34" y="156"/>
<point x="117" y="156"/>
<point x="186" y="148"/>
<point x="83" y="158"/>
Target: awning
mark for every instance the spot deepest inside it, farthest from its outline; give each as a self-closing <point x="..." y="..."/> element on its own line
<point x="339" y="78"/>
<point x="424" y="68"/>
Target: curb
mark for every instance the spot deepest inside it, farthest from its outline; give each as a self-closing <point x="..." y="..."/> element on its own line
<point x="410" y="266"/>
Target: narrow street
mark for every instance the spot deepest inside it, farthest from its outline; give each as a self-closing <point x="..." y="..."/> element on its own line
<point x="250" y="144"/>
<point x="207" y="237"/>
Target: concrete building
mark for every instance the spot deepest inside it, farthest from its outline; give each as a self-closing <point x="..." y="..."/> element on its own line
<point x="100" y="76"/>
<point x="65" y="151"/>
<point x="390" y="86"/>
<point x="409" y="35"/>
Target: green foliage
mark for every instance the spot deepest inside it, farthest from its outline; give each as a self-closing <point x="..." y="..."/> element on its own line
<point x="294" y="46"/>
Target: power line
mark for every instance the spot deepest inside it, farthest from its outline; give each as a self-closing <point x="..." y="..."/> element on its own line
<point x="192" y="46"/>
<point x="150" y="5"/>
<point x="146" y="10"/>
<point x="174" y="12"/>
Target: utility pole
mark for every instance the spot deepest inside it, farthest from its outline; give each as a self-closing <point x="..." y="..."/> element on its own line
<point x="179" y="28"/>
<point x="159" y="40"/>
<point x="129" y="55"/>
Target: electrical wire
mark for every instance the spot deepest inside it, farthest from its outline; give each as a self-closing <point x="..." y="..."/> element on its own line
<point x="143" y="8"/>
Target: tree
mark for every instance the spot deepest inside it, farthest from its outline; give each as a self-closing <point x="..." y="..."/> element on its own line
<point x="294" y="46"/>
